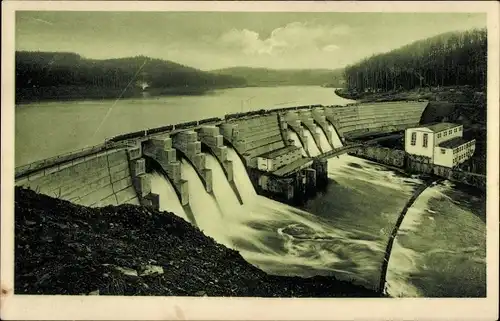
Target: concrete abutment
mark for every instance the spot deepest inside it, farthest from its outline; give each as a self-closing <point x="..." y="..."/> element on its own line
<point x="308" y="121"/>
<point x="294" y="123"/>
<point x="187" y="143"/>
<point x="210" y="135"/>
<point x="118" y="173"/>
<point x="160" y="150"/>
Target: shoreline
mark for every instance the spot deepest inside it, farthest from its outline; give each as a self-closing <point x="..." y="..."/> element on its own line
<point x="82" y="94"/>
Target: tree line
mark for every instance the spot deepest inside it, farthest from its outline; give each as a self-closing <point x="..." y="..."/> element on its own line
<point x="59" y="69"/>
<point x="449" y="59"/>
<point x="263" y="77"/>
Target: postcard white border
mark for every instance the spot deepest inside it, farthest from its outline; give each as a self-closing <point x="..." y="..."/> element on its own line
<point x="167" y="308"/>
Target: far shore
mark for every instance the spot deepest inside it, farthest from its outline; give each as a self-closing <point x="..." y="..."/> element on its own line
<point x="73" y="93"/>
<point x="25" y="96"/>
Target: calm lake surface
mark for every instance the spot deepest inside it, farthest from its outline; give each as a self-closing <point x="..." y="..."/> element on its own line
<point x="51" y="128"/>
<point x="439" y="251"/>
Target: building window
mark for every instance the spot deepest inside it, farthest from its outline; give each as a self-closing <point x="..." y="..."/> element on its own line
<point x="426" y="140"/>
<point x="413" y="139"/>
<point x="459" y="129"/>
<point x="443" y="151"/>
<point x="445" y="133"/>
<point x="439" y="135"/>
<point x="456" y="129"/>
<point x="450" y="131"/>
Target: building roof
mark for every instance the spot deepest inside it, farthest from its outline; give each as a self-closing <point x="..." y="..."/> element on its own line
<point x="278" y="152"/>
<point x="440" y="126"/>
<point x="454" y="142"/>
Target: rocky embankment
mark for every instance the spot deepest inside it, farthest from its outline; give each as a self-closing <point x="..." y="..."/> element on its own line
<point x="63" y="248"/>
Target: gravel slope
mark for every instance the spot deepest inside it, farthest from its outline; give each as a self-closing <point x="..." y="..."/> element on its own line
<point x="63" y="248"/>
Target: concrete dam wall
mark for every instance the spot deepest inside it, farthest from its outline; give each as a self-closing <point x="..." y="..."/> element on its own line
<point x="365" y="119"/>
<point x="116" y="172"/>
<point x="96" y="180"/>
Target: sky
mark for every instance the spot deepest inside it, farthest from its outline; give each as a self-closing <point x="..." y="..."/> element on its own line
<point x="213" y="40"/>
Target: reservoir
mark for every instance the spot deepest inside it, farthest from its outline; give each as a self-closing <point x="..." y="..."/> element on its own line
<point x="440" y="249"/>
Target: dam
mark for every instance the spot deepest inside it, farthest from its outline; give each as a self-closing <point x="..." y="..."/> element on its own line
<point x="232" y="177"/>
<point x="284" y="151"/>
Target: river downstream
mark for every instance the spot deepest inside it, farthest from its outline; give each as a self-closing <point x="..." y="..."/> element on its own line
<point x="440" y="248"/>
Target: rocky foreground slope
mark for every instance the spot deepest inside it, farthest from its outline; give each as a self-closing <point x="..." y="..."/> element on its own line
<point x="63" y="248"/>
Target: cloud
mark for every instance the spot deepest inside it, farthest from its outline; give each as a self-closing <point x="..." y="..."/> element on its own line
<point x="249" y="42"/>
<point x="330" y="48"/>
<point x="293" y="36"/>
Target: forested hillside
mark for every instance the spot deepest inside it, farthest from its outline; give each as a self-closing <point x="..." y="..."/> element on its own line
<point x="286" y="77"/>
<point x="450" y="59"/>
<point x="41" y="75"/>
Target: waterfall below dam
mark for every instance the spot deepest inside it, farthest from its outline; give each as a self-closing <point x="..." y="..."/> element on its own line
<point x="168" y="198"/>
<point x="336" y="142"/>
<point x="296" y="142"/>
<point x="325" y="145"/>
<point x="311" y="144"/>
<point x="342" y="232"/>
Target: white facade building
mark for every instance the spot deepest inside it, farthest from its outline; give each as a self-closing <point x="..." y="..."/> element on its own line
<point x="442" y="143"/>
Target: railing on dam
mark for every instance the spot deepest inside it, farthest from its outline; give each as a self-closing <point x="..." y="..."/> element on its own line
<point x="69" y="157"/>
<point x="132" y="138"/>
<point x="355" y="145"/>
<point x="339" y="151"/>
<point x="216" y="120"/>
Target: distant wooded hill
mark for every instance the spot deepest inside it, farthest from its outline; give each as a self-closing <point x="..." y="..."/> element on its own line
<point x="285" y="77"/>
<point x="54" y="75"/>
<point x="449" y="59"/>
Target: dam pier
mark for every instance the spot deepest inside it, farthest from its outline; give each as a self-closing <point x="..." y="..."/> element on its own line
<point x="284" y="151"/>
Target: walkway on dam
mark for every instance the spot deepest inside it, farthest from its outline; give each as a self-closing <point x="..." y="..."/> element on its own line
<point x="69" y="158"/>
<point x="355" y="145"/>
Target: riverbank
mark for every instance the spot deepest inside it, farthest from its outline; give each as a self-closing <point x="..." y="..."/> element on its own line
<point x="63" y="248"/>
<point x="78" y="93"/>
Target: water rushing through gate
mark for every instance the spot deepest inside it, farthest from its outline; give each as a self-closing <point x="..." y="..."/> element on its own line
<point x="296" y="142"/>
<point x="325" y="145"/>
<point x="342" y="232"/>
<point x="311" y="144"/>
<point x="168" y="198"/>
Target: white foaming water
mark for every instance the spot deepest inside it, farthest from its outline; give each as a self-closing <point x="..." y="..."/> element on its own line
<point x="168" y="198"/>
<point x="226" y="198"/>
<point x="371" y="173"/>
<point x="296" y="141"/>
<point x="278" y="238"/>
<point x="311" y="144"/>
<point x="203" y="205"/>
<point x="284" y="240"/>
<point x="336" y="142"/>
<point x="241" y="179"/>
<point x="403" y="261"/>
<point x="325" y="145"/>
<point x="420" y="215"/>
<point x="289" y="241"/>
